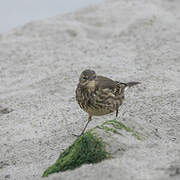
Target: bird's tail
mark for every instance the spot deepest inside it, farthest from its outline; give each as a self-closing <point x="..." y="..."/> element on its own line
<point x="130" y="84"/>
<point x="124" y="86"/>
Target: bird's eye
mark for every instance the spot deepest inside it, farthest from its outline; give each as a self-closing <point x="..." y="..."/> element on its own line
<point x="84" y="78"/>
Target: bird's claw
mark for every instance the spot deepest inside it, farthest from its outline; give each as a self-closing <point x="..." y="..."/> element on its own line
<point x="77" y="135"/>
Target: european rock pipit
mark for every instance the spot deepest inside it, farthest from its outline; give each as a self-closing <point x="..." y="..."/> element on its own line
<point x="98" y="95"/>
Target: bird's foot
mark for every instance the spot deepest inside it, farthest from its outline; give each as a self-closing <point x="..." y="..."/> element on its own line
<point x="78" y="135"/>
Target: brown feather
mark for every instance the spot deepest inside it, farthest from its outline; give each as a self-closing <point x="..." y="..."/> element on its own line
<point x="99" y="95"/>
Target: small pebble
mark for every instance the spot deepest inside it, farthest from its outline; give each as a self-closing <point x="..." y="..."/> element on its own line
<point x="7" y="176"/>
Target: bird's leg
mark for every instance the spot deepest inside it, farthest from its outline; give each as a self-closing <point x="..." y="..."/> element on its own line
<point x="117" y="112"/>
<point x="89" y="119"/>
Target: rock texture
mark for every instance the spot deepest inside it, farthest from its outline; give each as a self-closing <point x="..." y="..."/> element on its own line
<point x="107" y="141"/>
<point x="40" y="64"/>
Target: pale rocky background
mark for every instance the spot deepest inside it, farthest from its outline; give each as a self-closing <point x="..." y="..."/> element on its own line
<point x="40" y="64"/>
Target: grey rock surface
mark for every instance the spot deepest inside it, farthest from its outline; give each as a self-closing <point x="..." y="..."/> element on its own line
<point x="40" y="64"/>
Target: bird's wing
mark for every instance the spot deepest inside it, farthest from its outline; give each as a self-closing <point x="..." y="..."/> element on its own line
<point x="105" y="83"/>
<point x="108" y="84"/>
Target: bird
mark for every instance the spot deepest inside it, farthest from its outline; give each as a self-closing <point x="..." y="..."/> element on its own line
<point x="98" y="95"/>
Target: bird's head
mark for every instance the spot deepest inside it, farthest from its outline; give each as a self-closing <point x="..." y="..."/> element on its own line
<point x="87" y="78"/>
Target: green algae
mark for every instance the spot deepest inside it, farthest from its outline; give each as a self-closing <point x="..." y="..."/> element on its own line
<point x="109" y="129"/>
<point x="86" y="149"/>
<point x="119" y="125"/>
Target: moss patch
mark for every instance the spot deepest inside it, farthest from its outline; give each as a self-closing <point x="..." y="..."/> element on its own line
<point x="118" y="125"/>
<point x="108" y="129"/>
<point x="86" y="149"/>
